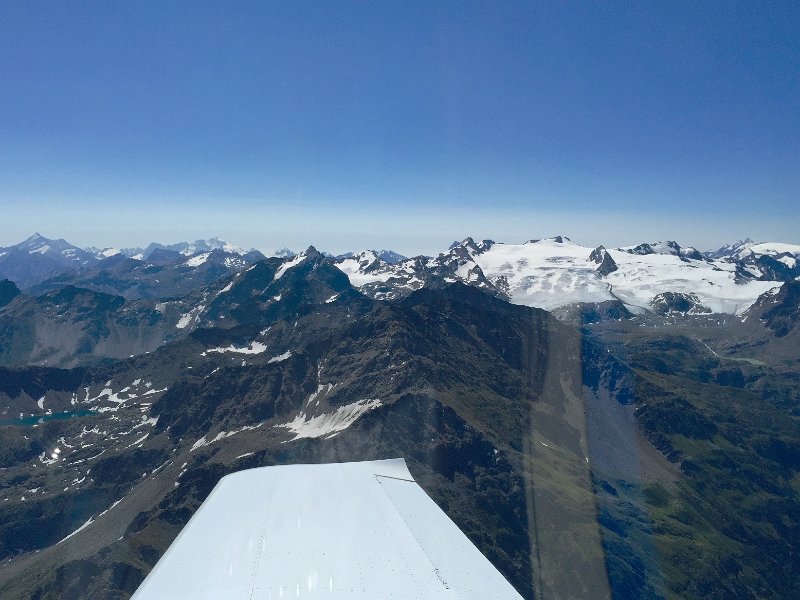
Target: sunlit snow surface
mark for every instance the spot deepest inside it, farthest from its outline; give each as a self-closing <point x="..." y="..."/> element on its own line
<point x="640" y="278"/>
<point x="555" y="272"/>
<point x="346" y="531"/>
<point x="549" y="274"/>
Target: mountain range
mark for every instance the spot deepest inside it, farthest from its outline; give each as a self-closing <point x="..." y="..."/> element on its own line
<point x="640" y="438"/>
<point x="549" y="273"/>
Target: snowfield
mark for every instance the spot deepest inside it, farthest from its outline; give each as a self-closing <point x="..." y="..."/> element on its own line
<point x="556" y="272"/>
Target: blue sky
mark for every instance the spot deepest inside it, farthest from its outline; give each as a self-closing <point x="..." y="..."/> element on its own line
<point x="399" y="124"/>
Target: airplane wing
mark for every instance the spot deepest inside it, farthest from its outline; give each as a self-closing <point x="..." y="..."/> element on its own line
<point x="362" y="530"/>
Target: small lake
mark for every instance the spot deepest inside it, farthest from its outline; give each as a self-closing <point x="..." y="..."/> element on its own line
<point x="37" y="419"/>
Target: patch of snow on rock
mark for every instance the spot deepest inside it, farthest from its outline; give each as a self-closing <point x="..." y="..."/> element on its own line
<point x="280" y="357"/>
<point x="198" y="260"/>
<point x="329" y="424"/>
<point x="81" y="528"/>
<point x="252" y="348"/>
<point x="288" y="265"/>
<point x="188" y="317"/>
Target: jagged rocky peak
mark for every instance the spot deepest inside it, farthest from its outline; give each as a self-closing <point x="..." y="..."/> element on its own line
<point x="668" y="247"/>
<point x="38" y="258"/>
<point x="38" y="244"/>
<point x="163" y="255"/>
<point x="730" y="250"/>
<point x="461" y="251"/>
<point x="390" y="256"/>
<point x="604" y="261"/>
<point x="368" y="260"/>
<point x="36" y="240"/>
<point x="214" y="243"/>
<point x="472" y="246"/>
<point x="665" y="247"/>
<point x="598" y="254"/>
<point x="469" y="243"/>
<point x="284" y="253"/>
<point x="642" y="249"/>
<point x="311" y="253"/>
<point x="185" y="248"/>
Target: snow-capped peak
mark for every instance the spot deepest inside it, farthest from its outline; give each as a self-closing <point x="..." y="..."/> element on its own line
<point x="472" y="246"/>
<point x="729" y="250"/>
<point x="773" y="249"/>
<point x="186" y="248"/>
<point x="667" y="247"/>
<point x="284" y="253"/>
<point x="210" y="244"/>
<point x="310" y="253"/>
<point x="59" y="249"/>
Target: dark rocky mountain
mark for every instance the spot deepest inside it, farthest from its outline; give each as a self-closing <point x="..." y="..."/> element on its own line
<point x="766" y="262"/>
<point x="719" y="398"/>
<point x="606" y="264"/>
<point x="588" y="313"/>
<point x="450" y="379"/>
<point x="771" y="268"/>
<point x="780" y="310"/>
<point x="275" y="288"/>
<point x="390" y="256"/>
<point x="165" y="274"/>
<point x="39" y="258"/>
<point x="384" y="280"/>
<point x="671" y="303"/>
<point x="75" y="326"/>
<point x="70" y="326"/>
<point x="159" y="271"/>
<point x="8" y="291"/>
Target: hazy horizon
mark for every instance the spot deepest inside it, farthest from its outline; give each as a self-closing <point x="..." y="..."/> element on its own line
<point x="339" y="245"/>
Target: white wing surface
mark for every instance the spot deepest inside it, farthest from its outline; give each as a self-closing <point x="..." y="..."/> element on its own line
<point x="361" y="530"/>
